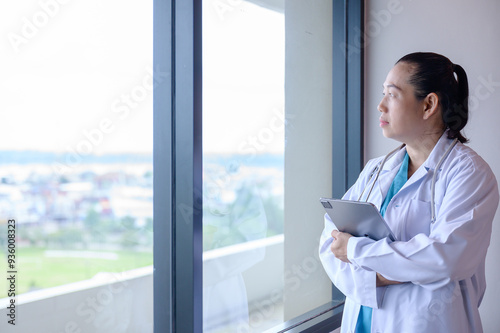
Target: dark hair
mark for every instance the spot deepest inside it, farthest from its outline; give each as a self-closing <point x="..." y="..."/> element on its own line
<point x="434" y="73"/>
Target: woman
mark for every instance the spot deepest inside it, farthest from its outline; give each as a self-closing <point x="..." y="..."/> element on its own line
<point x="439" y="198"/>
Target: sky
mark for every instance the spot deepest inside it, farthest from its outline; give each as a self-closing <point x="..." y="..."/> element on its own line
<point x="243" y="72"/>
<point x="76" y="76"/>
<point x="64" y="66"/>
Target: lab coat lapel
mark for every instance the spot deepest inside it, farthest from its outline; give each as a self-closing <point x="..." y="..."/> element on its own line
<point x="417" y="175"/>
<point x="430" y="164"/>
<point x="438" y="152"/>
<point x="389" y="171"/>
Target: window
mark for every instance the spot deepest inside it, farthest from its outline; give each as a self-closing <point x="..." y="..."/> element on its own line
<point x="179" y="234"/>
<point x="77" y="170"/>
<point x="243" y="166"/>
<point x="76" y="166"/>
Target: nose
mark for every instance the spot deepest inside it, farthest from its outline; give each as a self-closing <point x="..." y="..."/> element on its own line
<point x="381" y="106"/>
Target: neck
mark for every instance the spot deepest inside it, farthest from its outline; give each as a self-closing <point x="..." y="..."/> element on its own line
<point x="419" y="150"/>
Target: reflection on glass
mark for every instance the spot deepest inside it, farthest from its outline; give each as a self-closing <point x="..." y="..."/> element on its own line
<point x="243" y="119"/>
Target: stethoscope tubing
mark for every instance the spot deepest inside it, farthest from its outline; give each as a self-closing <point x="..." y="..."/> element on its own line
<point x="379" y="167"/>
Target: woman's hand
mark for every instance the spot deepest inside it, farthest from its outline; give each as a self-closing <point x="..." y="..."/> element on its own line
<point x="339" y="245"/>
<point x="339" y="250"/>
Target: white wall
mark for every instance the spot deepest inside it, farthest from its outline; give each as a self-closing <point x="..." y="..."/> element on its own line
<point x="467" y="32"/>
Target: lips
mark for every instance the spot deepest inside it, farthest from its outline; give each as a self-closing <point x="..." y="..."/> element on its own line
<point x="383" y="123"/>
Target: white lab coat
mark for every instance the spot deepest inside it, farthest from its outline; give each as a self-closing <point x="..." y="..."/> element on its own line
<point x="442" y="263"/>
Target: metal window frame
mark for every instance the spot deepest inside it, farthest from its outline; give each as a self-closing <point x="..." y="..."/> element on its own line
<point x="177" y="157"/>
<point x="348" y="93"/>
<point x="177" y="163"/>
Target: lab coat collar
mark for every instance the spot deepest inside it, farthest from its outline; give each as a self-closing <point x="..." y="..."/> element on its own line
<point x="387" y="174"/>
<point x="395" y="160"/>
<point x="431" y="161"/>
<point x="393" y="164"/>
<point x="438" y="152"/>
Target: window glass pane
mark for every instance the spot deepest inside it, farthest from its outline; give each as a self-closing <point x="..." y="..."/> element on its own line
<point x="243" y="128"/>
<point x="261" y="216"/>
<point x="76" y="156"/>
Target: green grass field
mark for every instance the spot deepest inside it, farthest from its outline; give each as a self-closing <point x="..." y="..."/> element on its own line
<point x="36" y="270"/>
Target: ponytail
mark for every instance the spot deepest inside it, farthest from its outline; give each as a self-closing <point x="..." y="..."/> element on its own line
<point x="435" y="73"/>
<point x="456" y="115"/>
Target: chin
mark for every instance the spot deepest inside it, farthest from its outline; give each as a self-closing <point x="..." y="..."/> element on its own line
<point x="386" y="134"/>
<point x="393" y="136"/>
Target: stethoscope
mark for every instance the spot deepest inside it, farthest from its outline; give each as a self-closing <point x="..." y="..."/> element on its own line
<point x="379" y="167"/>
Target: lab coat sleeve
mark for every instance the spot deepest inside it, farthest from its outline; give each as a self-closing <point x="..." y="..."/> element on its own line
<point x="457" y="242"/>
<point x="356" y="283"/>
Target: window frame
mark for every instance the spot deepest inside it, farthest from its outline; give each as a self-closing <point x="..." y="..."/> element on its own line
<point x="177" y="165"/>
<point x="177" y="157"/>
<point x="347" y="94"/>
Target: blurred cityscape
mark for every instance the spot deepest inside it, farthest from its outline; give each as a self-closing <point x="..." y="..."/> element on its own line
<point x="107" y="203"/>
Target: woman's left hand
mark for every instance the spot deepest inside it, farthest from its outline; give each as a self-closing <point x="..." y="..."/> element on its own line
<point x="339" y="245"/>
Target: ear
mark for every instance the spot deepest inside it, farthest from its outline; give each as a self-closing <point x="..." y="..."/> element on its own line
<point x="431" y="105"/>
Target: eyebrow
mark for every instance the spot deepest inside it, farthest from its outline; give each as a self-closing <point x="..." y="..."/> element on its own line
<point x="392" y="86"/>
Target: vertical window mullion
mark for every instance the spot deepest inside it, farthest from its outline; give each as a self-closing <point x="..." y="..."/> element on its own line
<point x="355" y="91"/>
<point x="177" y="167"/>
<point x="187" y="217"/>
<point x="339" y="100"/>
<point x="347" y="96"/>
<point x="162" y="168"/>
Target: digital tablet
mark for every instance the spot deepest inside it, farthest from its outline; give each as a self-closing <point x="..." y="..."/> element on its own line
<point x="357" y="218"/>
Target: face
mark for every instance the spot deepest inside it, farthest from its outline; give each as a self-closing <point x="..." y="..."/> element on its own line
<point x="401" y="113"/>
